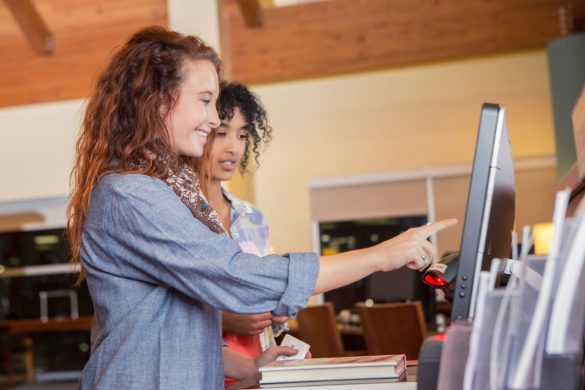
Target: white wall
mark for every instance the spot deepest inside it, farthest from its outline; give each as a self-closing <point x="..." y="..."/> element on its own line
<point x="391" y="120"/>
<point x="199" y="17"/>
<point x="36" y="149"/>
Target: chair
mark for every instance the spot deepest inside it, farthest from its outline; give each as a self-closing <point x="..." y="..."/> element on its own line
<point x="318" y="328"/>
<point x="393" y="328"/>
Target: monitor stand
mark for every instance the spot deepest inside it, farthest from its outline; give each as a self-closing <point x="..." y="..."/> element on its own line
<point x="429" y="359"/>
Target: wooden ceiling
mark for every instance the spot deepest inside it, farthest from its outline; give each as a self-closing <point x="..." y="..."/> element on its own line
<point x="340" y="36"/>
<point x="283" y="43"/>
<point x="85" y="35"/>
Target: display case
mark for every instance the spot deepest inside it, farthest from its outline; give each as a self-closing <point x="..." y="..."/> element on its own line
<point x="38" y="290"/>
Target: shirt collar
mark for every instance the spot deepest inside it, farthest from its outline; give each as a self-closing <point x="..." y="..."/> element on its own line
<point x="238" y="205"/>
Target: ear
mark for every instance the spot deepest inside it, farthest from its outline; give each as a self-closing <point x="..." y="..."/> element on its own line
<point x="166" y="105"/>
<point x="163" y="111"/>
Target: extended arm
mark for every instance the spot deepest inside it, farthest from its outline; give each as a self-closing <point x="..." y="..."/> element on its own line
<point x="410" y="249"/>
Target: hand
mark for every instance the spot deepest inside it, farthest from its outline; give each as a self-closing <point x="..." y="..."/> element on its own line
<point x="279" y="320"/>
<point x="411" y="248"/>
<point x="272" y="353"/>
<point x="246" y="324"/>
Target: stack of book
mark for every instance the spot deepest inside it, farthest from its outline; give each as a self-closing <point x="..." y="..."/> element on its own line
<point x="329" y="371"/>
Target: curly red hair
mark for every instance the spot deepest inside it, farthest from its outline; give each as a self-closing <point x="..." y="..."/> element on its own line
<point x="123" y="122"/>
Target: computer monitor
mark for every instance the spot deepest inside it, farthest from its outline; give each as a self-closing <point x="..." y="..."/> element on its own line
<point x="489" y="217"/>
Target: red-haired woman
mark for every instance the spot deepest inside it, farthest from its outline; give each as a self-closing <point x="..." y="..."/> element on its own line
<point x="158" y="264"/>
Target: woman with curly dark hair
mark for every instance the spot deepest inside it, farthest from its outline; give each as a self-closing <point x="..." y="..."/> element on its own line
<point x="236" y="98"/>
<point x="243" y="133"/>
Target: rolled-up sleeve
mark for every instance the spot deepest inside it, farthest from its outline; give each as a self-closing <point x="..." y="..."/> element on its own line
<point x="138" y="229"/>
<point x="302" y="266"/>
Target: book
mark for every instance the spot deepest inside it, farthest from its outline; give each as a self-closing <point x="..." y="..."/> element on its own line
<point x="401" y="378"/>
<point x="338" y="370"/>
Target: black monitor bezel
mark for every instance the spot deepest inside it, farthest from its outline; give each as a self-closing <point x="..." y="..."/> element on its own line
<point x="492" y="133"/>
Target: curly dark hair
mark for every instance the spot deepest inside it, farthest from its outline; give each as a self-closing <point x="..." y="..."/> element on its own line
<point x="234" y="95"/>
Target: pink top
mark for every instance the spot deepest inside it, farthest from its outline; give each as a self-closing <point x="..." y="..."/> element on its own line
<point x="251" y="234"/>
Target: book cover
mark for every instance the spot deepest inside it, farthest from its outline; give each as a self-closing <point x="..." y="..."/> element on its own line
<point x="380" y="368"/>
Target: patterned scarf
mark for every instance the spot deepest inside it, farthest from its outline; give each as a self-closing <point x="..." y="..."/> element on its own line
<point x="185" y="183"/>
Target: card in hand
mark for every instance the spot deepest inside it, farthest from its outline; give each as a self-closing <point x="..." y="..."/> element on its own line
<point x="293" y="342"/>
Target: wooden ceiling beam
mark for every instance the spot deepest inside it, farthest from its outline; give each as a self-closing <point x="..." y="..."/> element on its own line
<point x="87" y="34"/>
<point x="251" y="11"/>
<point x="32" y="25"/>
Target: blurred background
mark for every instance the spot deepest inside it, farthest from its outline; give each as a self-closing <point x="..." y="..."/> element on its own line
<point x="374" y="104"/>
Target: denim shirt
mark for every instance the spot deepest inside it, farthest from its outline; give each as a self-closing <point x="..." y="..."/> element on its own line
<point x="159" y="278"/>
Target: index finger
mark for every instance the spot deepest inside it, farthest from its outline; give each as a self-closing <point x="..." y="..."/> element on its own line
<point x="432" y="228"/>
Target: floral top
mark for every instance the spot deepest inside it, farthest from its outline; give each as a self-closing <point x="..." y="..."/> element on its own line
<point x="248" y="228"/>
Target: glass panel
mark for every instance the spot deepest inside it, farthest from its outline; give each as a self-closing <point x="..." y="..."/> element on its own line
<point x="29" y="248"/>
